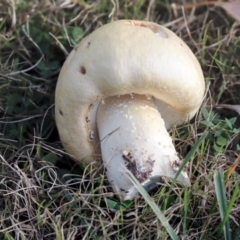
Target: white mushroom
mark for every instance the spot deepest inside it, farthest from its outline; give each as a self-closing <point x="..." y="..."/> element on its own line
<point x="118" y="92"/>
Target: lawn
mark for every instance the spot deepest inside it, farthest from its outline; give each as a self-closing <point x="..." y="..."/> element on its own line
<point x="46" y="195"/>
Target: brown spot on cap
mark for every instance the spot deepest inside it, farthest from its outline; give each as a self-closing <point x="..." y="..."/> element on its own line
<point x="61" y="113"/>
<point x="83" y="70"/>
<point x="154" y="27"/>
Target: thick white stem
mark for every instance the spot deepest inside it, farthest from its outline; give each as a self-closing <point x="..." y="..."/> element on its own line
<point x="133" y="136"/>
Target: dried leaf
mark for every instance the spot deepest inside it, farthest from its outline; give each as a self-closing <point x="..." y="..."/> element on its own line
<point x="232" y="8"/>
<point x="232" y="168"/>
<point x="199" y="4"/>
<point x="236" y="108"/>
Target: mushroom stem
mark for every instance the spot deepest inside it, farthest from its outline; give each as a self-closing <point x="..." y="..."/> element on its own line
<point x="133" y="136"/>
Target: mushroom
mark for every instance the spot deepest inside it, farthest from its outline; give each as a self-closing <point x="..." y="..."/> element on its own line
<point x="118" y="92"/>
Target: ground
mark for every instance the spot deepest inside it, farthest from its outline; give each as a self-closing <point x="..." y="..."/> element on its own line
<point x="45" y="195"/>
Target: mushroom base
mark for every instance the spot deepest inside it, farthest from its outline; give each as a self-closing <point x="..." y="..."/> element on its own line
<point x="134" y="138"/>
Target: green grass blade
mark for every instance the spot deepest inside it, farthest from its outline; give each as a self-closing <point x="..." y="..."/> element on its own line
<point x="190" y="155"/>
<point x="187" y="159"/>
<point x="186" y="210"/>
<point x="234" y="197"/>
<point x="222" y="202"/>
<point x="154" y="207"/>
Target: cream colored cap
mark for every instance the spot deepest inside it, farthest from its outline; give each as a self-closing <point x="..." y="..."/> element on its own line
<point x="124" y="57"/>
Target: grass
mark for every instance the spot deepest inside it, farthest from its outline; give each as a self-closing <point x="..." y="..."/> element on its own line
<point x="45" y="195"/>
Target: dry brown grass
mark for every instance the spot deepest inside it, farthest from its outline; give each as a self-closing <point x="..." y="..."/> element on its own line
<point x="43" y="194"/>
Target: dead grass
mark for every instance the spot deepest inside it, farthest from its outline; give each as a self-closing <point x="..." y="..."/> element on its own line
<point x="44" y="194"/>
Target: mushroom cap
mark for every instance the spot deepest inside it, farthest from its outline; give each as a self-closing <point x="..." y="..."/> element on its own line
<point x="124" y="57"/>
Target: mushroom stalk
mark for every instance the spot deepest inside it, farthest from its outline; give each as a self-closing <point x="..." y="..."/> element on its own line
<point x="133" y="136"/>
